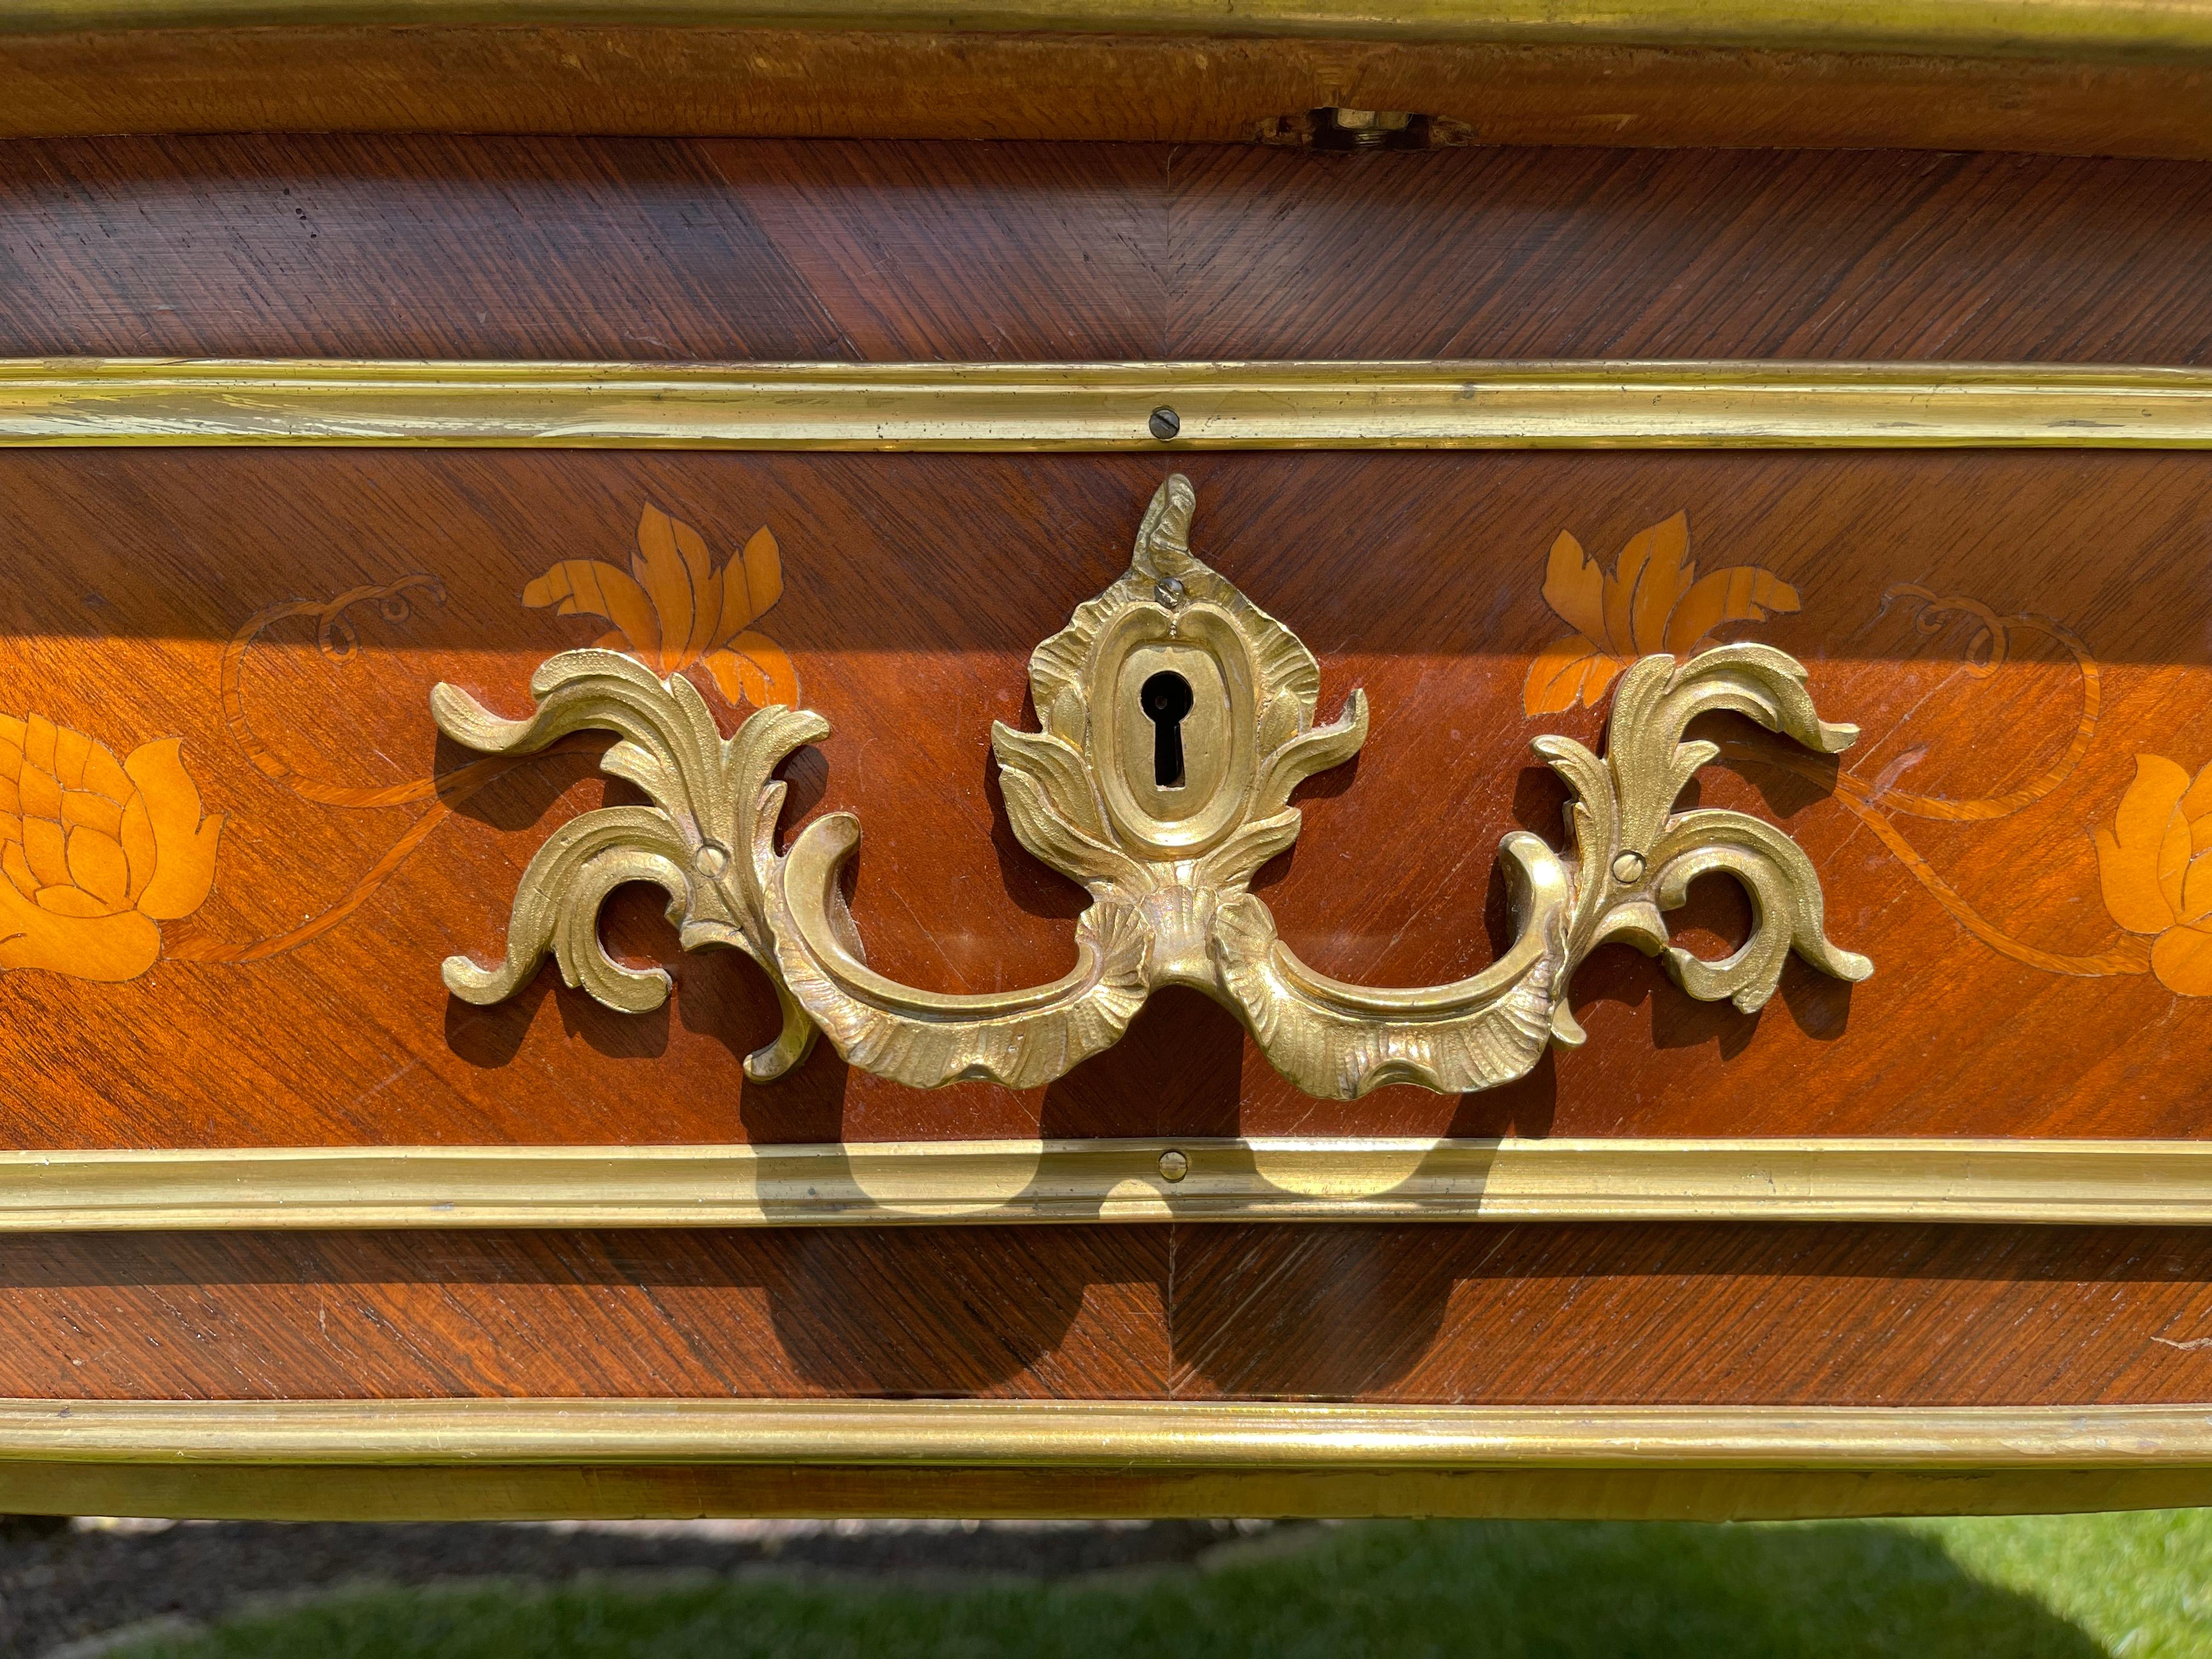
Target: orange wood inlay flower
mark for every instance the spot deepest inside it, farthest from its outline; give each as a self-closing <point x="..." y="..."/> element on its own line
<point x="1654" y="600"/>
<point x="672" y="608"/>
<point x="95" y="853"/>
<point x="2155" y="864"/>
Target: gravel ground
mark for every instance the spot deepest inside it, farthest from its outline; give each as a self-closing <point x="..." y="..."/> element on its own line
<point x="64" y="1582"/>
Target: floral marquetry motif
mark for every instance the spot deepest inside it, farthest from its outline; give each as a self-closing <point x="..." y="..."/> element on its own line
<point x="2155" y="863"/>
<point x="674" y="607"/>
<point x="1654" y="601"/>
<point x="96" y="853"/>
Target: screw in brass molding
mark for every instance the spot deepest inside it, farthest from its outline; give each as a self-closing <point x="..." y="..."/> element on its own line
<point x="1627" y="868"/>
<point x="1165" y="423"/>
<point x="1173" y="1166"/>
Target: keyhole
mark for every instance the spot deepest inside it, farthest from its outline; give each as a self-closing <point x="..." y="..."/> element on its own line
<point x="1165" y="698"/>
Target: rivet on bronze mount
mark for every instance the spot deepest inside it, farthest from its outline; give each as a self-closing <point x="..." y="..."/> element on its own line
<point x="1176" y="718"/>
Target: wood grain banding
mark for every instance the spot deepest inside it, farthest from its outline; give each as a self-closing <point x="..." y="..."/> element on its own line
<point x="284" y="246"/>
<point x="598" y="77"/>
<point x="1632" y="1314"/>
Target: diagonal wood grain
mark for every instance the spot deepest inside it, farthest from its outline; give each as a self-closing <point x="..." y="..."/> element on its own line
<point x="1779" y="1315"/>
<point x="646" y="250"/>
<point x="917" y="1312"/>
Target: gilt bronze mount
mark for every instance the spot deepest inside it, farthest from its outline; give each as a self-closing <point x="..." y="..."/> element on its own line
<point x="1177" y="717"/>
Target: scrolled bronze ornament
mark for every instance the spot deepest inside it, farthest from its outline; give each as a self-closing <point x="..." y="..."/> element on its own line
<point x="708" y="840"/>
<point x="1176" y="717"/>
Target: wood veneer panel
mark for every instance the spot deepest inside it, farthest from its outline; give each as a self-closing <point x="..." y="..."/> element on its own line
<point x="917" y="83"/>
<point x="1623" y="253"/>
<point x="1686" y="1314"/>
<point x="1473" y="1313"/>
<point x="916" y="586"/>
<point x="395" y="246"/>
<point x="594" y="248"/>
<point x="644" y="250"/>
<point x="963" y="252"/>
<point x="1020" y="1311"/>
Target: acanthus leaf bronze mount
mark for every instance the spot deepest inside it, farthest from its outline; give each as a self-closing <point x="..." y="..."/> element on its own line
<point x="1176" y="718"/>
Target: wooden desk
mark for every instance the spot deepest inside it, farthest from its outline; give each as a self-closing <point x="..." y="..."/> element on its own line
<point x="718" y="342"/>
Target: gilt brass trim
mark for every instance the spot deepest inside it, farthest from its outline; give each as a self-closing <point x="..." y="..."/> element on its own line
<point x="1101" y="406"/>
<point x="1000" y="1182"/>
<point x="2158" y="29"/>
<point x="1101" y="1434"/>
<point x="492" y="1458"/>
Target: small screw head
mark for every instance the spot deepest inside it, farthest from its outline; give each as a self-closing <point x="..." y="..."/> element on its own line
<point x="1167" y="591"/>
<point x="1173" y="1166"/>
<point x="711" y="859"/>
<point x="1628" y="867"/>
<point x="1165" y="423"/>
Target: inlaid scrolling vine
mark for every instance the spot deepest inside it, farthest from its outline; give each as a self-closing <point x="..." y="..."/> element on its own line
<point x="1176" y="718"/>
<point x="2154" y="858"/>
<point x="672" y="607"/>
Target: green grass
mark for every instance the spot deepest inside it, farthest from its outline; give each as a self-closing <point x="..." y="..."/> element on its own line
<point x="2134" y="1584"/>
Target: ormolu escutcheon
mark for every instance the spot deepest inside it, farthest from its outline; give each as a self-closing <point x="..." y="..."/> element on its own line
<point x="1175" y="718"/>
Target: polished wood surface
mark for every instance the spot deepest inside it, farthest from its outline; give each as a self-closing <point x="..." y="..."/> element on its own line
<point x="596" y="76"/>
<point x="637" y="251"/>
<point x="2025" y="985"/>
<point x="1799" y="1315"/>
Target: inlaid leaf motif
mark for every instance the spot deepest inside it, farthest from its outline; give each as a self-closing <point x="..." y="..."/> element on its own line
<point x="672" y="608"/>
<point x="754" y="669"/>
<point x="1654" y="601"/>
<point x="2154" y="863"/>
<point x="95" y="853"/>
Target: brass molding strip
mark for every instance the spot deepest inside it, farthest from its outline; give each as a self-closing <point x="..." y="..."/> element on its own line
<point x="2105" y="1182"/>
<point x="1102" y="406"/>
<point x="1118" y="1434"/>
<point x="1096" y="1434"/>
<point x="519" y="1459"/>
<point x="1052" y="1433"/>
<point x="2083" y="28"/>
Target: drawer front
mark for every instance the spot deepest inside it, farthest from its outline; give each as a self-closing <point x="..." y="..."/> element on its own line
<point x="1254" y="578"/>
